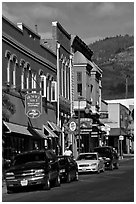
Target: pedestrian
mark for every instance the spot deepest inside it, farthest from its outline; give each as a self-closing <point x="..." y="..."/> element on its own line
<point x="68" y="152"/>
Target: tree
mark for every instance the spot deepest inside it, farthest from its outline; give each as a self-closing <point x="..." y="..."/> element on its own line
<point x="8" y="108"/>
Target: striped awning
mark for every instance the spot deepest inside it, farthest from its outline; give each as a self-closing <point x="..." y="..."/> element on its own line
<point x="16" y="128"/>
<point x="48" y="132"/>
<point x="30" y="131"/>
<point x="53" y="126"/>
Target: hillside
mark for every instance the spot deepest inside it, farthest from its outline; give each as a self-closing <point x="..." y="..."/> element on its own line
<point x="115" y="56"/>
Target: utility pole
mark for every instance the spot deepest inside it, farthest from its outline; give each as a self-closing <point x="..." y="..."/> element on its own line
<point x="58" y="84"/>
<point x="79" y="123"/>
<point x="126" y="96"/>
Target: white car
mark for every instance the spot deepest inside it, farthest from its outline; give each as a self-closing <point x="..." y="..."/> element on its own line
<point x="90" y="162"/>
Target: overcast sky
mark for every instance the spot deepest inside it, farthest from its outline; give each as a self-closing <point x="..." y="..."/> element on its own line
<point x="89" y="20"/>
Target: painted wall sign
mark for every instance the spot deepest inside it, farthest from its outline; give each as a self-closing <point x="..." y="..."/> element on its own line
<point x="33" y="105"/>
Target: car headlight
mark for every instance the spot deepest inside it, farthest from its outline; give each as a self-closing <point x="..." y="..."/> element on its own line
<point x="9" y="175"/>
<point x="94" y="164"/>
<point x="39" y="172"/>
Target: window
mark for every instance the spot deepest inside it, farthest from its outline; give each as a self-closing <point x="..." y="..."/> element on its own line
<point x="79" y="77"/>
<point x="8" y="56"/>
<point x="64" y="80"/>
<point x="48" y="90"/>
<point x="79" y="89"/>
<point x="53" y="91"/>
<point x="22" y="63"/>
<point x="79" y="83"/>
<point x="43" y="85"/>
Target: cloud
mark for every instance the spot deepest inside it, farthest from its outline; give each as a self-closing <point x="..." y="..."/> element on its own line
<point x="109" y="9"/>
<point x="6" y="13"/>
<point x="28" y="11"/>
<point x="106" y="9"/>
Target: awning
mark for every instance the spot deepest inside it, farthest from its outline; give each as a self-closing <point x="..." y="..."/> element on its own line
<point x="53" y="126"/>
<point x="16" y="128"/>
<point x="36" y="132"/>
<point x="24" y="130"/>
<point x="48" y="132"/>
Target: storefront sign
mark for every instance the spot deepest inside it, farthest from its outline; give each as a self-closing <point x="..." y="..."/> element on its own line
<point x="121" y="137"/>
<point x="33" y="105"/>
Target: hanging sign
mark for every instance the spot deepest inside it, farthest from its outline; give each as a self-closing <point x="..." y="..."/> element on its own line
<point x="33" y="105"/>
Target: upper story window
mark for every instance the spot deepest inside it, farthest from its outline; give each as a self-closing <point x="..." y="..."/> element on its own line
<point x="53" y="91"/>
<point x="43" y="83"/>
<point x="79" y="83"/>
<point x="79" y="77"/>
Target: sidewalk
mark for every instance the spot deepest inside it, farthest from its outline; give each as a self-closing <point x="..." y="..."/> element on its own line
<point x="127" y="156"/>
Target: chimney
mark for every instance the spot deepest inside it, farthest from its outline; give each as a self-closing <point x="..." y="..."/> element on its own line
<point x="36" y="29"/>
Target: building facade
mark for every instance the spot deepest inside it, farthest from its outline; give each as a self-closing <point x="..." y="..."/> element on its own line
<point x="87" y="96"/>
<point x="119" y="121"/>
<point x="28" y="67"/>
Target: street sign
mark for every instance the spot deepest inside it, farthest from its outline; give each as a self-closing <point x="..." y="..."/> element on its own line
<point x="121" y="137"/>
<point x="72" y="126"/>
<point x="33" y="105"/>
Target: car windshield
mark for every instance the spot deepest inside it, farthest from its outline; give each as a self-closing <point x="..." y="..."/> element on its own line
<point x="103" y="151"/>
<point x="87" y="157"/>
<point x="25" y="158"/>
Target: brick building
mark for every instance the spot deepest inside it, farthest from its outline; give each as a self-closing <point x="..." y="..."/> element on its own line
<point x="27" y="66"/>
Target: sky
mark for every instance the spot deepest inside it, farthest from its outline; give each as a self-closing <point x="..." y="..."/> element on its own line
<point x="91" y="21"/>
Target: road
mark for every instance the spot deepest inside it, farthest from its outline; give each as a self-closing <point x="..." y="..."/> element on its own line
<point x="110" y="186"/>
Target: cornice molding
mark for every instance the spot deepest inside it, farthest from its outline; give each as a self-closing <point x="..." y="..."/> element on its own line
<point x="27" y="51"/>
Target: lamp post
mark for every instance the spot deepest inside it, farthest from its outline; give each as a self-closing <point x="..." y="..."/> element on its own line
<point x="58" y="85"/>
<point x="79" y="98"/>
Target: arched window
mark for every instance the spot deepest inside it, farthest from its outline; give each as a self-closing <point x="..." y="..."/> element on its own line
<point x="13" y="71"/>
<point x="8" y="56"/>
<point x="22" y="65"/>
<point x="27" y="76"/>
<point x="43" y="84"/>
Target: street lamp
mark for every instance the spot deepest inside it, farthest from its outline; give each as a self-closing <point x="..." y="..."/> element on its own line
<point x="79" y="99"/>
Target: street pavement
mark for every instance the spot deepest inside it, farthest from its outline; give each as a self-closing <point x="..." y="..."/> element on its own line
<point x="125" y="157"/>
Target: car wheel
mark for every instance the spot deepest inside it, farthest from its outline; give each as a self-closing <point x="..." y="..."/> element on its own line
<point x="57" y="181"/>
<point x="98" y="171"/>
<point x="47" y="184"/>
<point x="117" y="165"/>
<point x="68" y="178"/>
<point x="9" y="190"/>
<point x="76" y="176"/>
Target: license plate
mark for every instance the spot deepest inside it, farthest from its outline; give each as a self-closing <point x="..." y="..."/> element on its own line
<point x="83" y="169"/>
<point x="24" y="183"/>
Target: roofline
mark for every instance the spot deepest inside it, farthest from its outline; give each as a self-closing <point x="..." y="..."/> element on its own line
<point x="79" y="45"/>
<point x="13" y="24"/>
<point x="56" y="23"/>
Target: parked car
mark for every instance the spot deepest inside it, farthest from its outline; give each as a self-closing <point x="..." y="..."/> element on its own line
<point x="68" y="168"/>
<point x="109" y="155"/>
<point x="90" y="162"/>
<point x="36" y="167"/>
